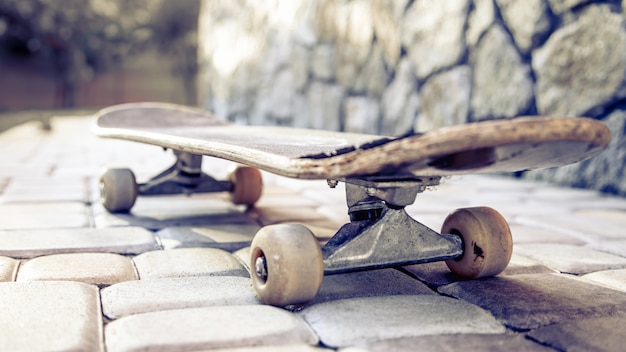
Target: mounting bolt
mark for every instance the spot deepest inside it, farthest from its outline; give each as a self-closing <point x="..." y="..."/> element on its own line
<point x="370" y="191"/>
<point x="260" y="268"/>
<point x="332" y="183"/>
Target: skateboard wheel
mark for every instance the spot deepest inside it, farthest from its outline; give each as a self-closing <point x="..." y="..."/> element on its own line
<point x="247" y="185"/>
<point x="487" y="242"/>
<point x="286" y="265"/>
<point x="118" y="190"/>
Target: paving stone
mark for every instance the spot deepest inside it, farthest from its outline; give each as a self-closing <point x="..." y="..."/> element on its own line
<point x="276" y="348"/>
<point x="615" y="279"/>
<point x="227" y="237"/>
<point x="598" y="334"/>
<point x="8" y="268"/>
<point x="531" y="301"/>
<point x="571" y="259"/>
<point x="21" y="216"/>
<point x="157" y="213"/>
<point x="577" y="226"/>
<point x="459" y="342"/>
<point x="184" y="262"/>
<point x="50" y="316"/>
<point x="34" y="243"/>
<point x="523" y="234"/>
<point x="383" y="282"/>
<point x="276" y="215"/>
<point x="437" y="273"/>
<point x="208" y="328"/>
<point x="143" y="296"/>
<point x="346" y="322"/>
<point x="100" y="269"/>
<point x="46" y="190"/>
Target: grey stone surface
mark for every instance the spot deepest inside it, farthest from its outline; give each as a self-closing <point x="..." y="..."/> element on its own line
<point x="8" y="268"/>
<point x="528" y="21"/>
<point x="594" y="75"/>
<point x="322" y="116"/>
<point x="208" y="328"/>
<point x="468" y="342"/>
<point x="100" y="269"/>
<point x="143" y="296"/>
<point x="50" y="316"/>
<point x="383" y="282"/>
<point x="615" y="279"/>
<point x="430" y="48"/>
<point x="400" y="101"/>
<point x="571" y="259"/>
<point x="346" y="322"/>
<point x="604" y="172"/>
<point x="531" y="301"/>
<point x="445" y="99"/>
<point x="228" y="237"/>
<point x="560" y="6"/>
<point x="33" y="243"/>
<point x="185" y="262"/>
<point x="361" y="115"/>
<point x="27" y="216"/>
<point x="480" y="18"/>
<point x="599" y="334"/>
<point x="503" y="92"/>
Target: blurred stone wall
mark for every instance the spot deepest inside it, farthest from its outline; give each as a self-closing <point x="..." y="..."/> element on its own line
<point x="389" y="66"/>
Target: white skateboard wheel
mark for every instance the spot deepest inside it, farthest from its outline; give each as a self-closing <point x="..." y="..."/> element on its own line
<point x="487" y="242"/>
<point x="118" y="190"/>
<point x="247" y="185"/>
<point x="286" y="265"/>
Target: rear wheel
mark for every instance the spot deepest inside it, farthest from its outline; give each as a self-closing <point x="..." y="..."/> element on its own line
<point x="247" y="185"/>
<point x="118" y="190"/>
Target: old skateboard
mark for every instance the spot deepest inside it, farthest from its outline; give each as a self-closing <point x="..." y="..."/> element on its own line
<point x="382" y="176"/>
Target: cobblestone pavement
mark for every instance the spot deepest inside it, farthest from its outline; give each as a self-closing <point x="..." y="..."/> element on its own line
<point x="172" y="275"/>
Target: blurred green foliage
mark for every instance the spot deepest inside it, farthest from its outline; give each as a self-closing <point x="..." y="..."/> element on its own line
<point x="74" y="39"/>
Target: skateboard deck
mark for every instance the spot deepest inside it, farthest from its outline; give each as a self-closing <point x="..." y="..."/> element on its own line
<point x="507" y="145"/>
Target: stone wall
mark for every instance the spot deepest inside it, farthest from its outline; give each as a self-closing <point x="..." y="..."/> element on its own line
<point x="389" y="66"/>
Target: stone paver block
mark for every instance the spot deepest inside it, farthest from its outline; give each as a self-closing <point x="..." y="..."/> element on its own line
<point x="184" y="262"/>
<point x="277" y="348"/>
<point x="384" y="282"/>
<point x="20" y="216"/>
<point x="46" y="190"/>
<point x="528" y="234"/>
<point x="459" y="342"/>
<point x="100" y="269"/>
<point x="143" y="296"/>
<point x="599" y="334"/>
<point x="50" y="316"/>
<point x="357" y="320"/>
<point x="617" y="247"/>
<point x="33" y="243"/>
<point x="8" y="268"/>
<point x="208" y="328"/>
<point x="227" y="237"/>
<point x="535" y="300"/>
<point x="581" y="227"/>
<point x="571" y="259"/>
<point x="437" y="273"/>
<point x="615" y="279"/>
<point x="157" y="213"/>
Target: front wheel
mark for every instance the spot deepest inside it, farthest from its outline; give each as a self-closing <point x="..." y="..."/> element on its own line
<point x="286" y="265"/>
<point x="487" y="242"/>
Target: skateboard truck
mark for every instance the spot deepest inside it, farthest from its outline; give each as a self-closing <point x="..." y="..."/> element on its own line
<point x="185" y="176"/>
<point x="119" y="188"/>
<point x="288" y="265"/>
<point x="381" y="233"/>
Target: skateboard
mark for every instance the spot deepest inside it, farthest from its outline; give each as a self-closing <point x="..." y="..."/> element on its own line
<point x="382" y="176"/>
